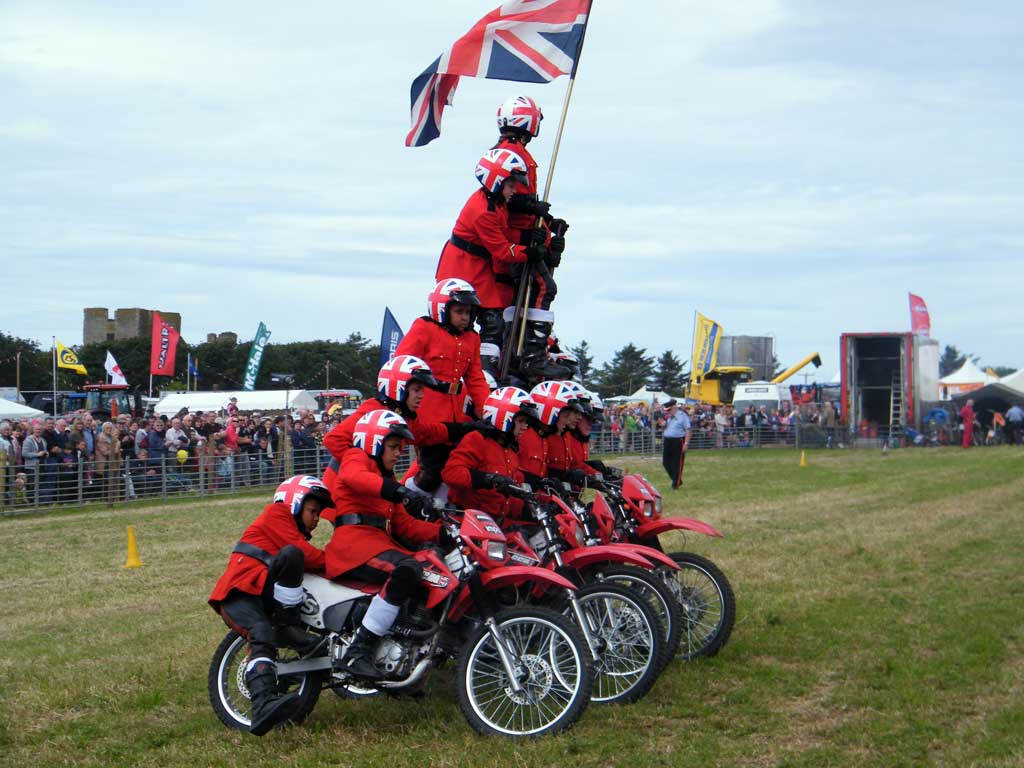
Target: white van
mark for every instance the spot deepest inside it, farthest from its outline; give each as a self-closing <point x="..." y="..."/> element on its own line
<point x="758" y="393"/>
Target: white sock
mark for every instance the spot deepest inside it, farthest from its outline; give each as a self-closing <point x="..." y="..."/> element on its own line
<point x="288" y="595"/>
<point x="254" y="662"/>
<point x="380" y="615"/>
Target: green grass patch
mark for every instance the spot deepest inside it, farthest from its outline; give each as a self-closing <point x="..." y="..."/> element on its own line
<point x="878" y="624"/>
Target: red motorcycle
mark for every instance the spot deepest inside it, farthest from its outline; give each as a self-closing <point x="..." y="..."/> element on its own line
<point x="630" y="510"/>
<point x="523" y="671"/>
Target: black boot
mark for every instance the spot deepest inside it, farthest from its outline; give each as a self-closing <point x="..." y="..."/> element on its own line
<point x="358" y="658"/>
<point x="290" y="632"/>
<point x="535" y="363"/>
<point x="269" y="708"/>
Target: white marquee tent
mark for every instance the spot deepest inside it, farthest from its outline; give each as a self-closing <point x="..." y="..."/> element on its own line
<point x="12" y="410"/>
<point x="1014" y="380"/>
<point x="966" y="378"/>
<point x="264" y="401"/>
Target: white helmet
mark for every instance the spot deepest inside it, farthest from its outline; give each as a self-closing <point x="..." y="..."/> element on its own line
<point x="520" y="114"/>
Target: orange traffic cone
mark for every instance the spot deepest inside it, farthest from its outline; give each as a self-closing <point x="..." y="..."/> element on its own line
<point x="133" y="560"/>
<point x="803" y="458"/>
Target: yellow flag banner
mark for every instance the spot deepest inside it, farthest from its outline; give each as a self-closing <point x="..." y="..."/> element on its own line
<point x="707" y="336"/>
<point x="68" y="359"/>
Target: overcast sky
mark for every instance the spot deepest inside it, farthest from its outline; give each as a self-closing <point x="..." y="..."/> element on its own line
<point x="786" y="167"/>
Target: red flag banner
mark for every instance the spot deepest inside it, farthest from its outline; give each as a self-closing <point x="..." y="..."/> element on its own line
<point x="920" y="321"/>
<point x="164" y="347"/>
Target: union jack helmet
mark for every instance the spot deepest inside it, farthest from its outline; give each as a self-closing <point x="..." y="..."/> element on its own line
<point x="375" y="427"/>
<point x="582" y="395"/>
<point x="520" y="114"/>
<point x="293" y="491"/>
<point x="446" y="291"/>
<point x="496" y="166"/>
<point x="503" y="405"/>
<point x="394" y="377"/>
<point x="492" y="383"/>
<point x="551" y="397"/>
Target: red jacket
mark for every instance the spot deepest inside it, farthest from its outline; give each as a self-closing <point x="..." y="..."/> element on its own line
<point x="359" y="487"/>
<point x="484" y="224"/>
<point x="559" y="452"/>
<point x="453" y="358"/>
<point x="521" y="221"/>
<point x="533" y="453"/>
<point x="339" y="439"/>
<point x="579" y="452"/>
<point x="271" y="531"/>
<point x="481" y="452"/>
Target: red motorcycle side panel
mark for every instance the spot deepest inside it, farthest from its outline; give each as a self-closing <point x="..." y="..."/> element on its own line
<point x="506" y="576"/>
<point x="656" y="527"/>
<point x="581" y="557"/>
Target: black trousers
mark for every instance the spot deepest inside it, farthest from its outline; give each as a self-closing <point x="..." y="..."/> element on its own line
<point x="672" y="458"/>
<point x="249" y="615"/>
<point x="398" y="571"/>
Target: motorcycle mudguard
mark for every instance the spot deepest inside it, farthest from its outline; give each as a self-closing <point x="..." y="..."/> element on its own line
<point x="581" y="557"/>
<point x="660" y="558"/>
<point x="656" y="527"/>
<point x="509" y="575"/>
<point x="321" y="594"/>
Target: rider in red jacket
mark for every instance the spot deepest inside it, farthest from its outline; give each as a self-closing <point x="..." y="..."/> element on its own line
<point x="260" y="592"/>
<point x="484" y="250"/>
<point x="372" y="508"/>
<point x="402" y="384"/>
<point x="445" y="341"/>
<point x="487" y="462"/>
<point x="560" y="409"/>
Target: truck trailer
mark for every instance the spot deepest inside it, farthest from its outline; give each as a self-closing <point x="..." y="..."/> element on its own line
<point x="886" y="381"/>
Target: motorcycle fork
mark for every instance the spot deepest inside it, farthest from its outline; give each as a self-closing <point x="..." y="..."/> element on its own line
<point x="486" y="606"/>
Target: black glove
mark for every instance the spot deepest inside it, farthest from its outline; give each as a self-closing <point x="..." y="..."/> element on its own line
<point x="445" y="539"/>
<point x="557" y="226"/>
<point x="553" y="259"/>
<point x="557" y="244"/>
<point x="535" y="254"/>
<point x="458" y="429"/>
<point x="500" y="483"/>
<point x="416" y="504"/>
<point x="576" y="476"/>
<point x="536" y="236"/>
<point x="523" y="203"/>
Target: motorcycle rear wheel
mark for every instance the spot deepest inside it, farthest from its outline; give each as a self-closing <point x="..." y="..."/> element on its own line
<point x="229" y="695"/>
<point x="555" y="668"/>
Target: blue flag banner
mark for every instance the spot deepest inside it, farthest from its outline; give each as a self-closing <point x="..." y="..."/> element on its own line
<point x="390" y="336"/>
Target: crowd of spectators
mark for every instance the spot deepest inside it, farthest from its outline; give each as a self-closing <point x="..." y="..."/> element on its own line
<point x="46" y="460"/>
<point x="637" y="427"/>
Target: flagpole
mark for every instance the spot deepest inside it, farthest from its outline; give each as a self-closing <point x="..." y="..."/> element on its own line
<point x="55" y="377"/>
<point x="527" y="277"/>
<point x="188" y="371"/>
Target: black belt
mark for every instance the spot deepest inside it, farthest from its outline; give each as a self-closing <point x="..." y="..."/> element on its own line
<point x="374" y="521"/>
<point x="453" y="389"/>
<point x="251" y="550"/>
<point x="481" y="253"/>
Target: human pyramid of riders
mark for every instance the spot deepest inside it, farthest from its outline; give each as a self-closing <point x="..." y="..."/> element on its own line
<point x="477" y="444"/>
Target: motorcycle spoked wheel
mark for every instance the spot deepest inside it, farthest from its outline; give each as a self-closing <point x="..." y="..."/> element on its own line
<point x="554" y="668"/>
<point x="708" y="605"/>
<point x="229" y="695"/>
<point x="630" y="638"/>
<point x="659" y="596"/>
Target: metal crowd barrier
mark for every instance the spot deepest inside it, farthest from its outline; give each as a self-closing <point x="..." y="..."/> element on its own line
<point x="78" y="483"/>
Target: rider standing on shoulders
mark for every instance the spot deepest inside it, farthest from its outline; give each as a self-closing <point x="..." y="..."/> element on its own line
<point x="445" y="341"/>
<point x="260" y="592"/>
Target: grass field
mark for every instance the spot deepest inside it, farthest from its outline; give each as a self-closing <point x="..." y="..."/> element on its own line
<point x="880" y="622"/>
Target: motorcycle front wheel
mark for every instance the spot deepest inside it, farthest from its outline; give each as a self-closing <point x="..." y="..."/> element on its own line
<point x="230" y="696"/>
<point x="550" y="661"/>
<point x="708" y="605"/>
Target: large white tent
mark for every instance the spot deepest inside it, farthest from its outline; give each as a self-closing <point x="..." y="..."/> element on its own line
<point x="1014" y="380"/>
<point x="966" y="378"/>
<point x="643" y="395"/>
<point x="12" y="410"/>
<point x="264" y="401"/>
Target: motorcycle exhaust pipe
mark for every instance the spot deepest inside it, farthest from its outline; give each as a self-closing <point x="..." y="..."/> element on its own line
<point x="414" y="677"/>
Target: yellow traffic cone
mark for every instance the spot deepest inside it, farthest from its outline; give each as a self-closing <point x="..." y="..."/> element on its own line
<point x="133" y="560"/>
<point x="803" y="458"/>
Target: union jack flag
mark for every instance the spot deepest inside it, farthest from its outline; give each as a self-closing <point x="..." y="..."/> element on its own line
<point x="529" y="41"/>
